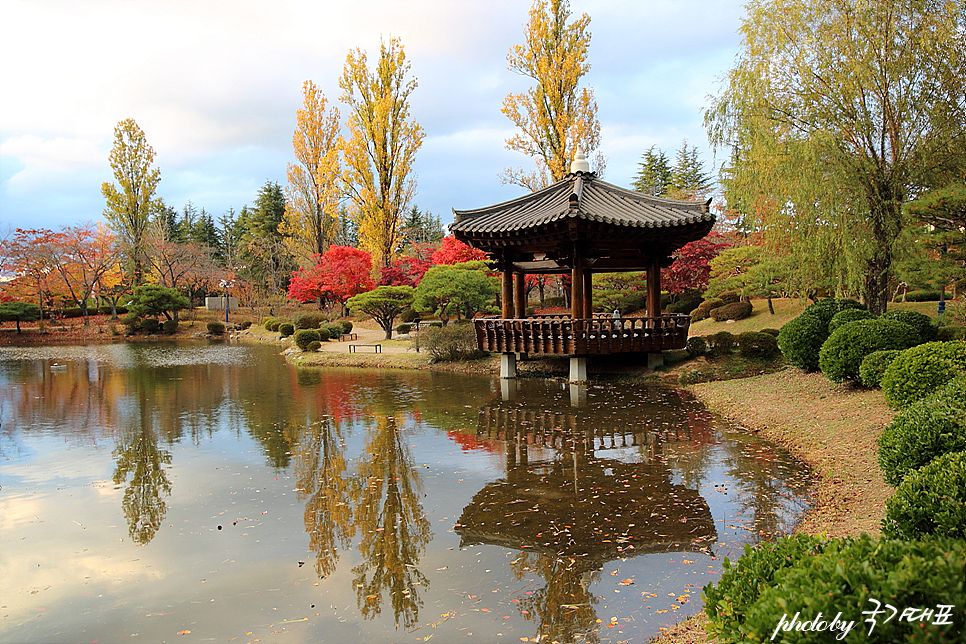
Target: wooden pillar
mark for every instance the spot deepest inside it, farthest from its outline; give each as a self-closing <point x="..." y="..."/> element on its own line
<point x="520" y="293"/>
<point x="654" y="288"/>
<point x="507" y="295"/>
<point x="577" y="289"/>
<point x="588" y="293"/>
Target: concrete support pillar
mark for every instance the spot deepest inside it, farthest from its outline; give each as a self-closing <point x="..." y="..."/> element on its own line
<point x="508" y="365"/>
<point x="520" y="296"/>
<point x="578" y="369"/>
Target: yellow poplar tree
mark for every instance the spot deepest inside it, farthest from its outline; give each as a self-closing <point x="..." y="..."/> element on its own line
<point x="381" y="146"/>
<point x="131" y="202"/>
<point x="314" y="185"/>
<point x="556" y="117"/>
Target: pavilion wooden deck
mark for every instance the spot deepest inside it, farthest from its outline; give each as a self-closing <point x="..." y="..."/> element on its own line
<point x="565" y="336"/>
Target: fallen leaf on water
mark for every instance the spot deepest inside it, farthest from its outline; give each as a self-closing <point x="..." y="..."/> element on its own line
<point x="183" y="632"/>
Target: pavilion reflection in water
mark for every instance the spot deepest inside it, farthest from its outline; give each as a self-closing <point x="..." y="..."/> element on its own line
<point x="584" y="486"/>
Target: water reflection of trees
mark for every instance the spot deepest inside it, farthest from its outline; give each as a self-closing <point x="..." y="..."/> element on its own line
<point x="137" y="456"/>
<point x="393" y="527"/>
<point x="564" y="608"/>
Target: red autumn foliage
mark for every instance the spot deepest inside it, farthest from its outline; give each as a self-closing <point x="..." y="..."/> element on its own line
<point x="453" y="251"/>
<point x="343" y="271"/>
<point x="404" y="271"/>
<point x="691" y="268"/>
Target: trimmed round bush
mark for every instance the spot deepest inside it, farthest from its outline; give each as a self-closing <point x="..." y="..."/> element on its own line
<point x="930" y="502"/>
<point x="706" y="306"/>
<point x="245" y="325"/>
<point x="923" y="431"/>
<point x="951" y="333"/>
<point x="408" y="315"/>
<point x="846" y="316"/>
<point x="922" y="296"/>
<point x="286" y="329"/>
<point x="449" y="343"/>
<point x="720" y="343"/>
<point x="755" y="344"/>
<point x="268" y="324"/>
<point x="334" y="329"/>
<point x="314" y="345"/>
<point x="346" y="326"/>
<point x="921" y="322"/>
<point x="303" y="337"/>
<point x="733" y="311"/>
<point x="308" y="321"/>
<point x="150" y="326"/>
<point x="697" y="346"/>
<point x="216" y="328"/>
<point x="850" y="572"/>
<point x="922" y="370"/>
<point x="729" y="297"/>
<point x="826" y="309"/>
<point x="274" y="325"/>
<point x="404" y="328"/>
<point x="324" y="335"/>
<point x="770" y="331"/>
<point x="874" y="365"/>
<point x="170" y="327"/>
<point x="801" y="339"/>
<point x="841" y="355"/>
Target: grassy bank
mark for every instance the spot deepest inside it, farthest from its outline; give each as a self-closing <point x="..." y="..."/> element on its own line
<point x="832" y="428"/>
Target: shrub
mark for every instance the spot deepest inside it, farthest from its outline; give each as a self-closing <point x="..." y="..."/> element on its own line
<point x="697" y="346"/>
<point x="851" y="572"/>
<point x="930" y="502"/>
<point x="346" y="326"/>
<point x="170" y="327"/>
<point x="921" y="322"/>
<point x="308" y="321"/>
<point x="874" y="365"/>
<point x="770" y="331"/>
<point x="324" y="335"/>
<point x="408" y="315"/>
<point x="730" y="297"/>
<point x="842" y="353"/>
<point x="922" y="296"/>
<point x="686" y="302"/>
<point x="923" y="431"/>
<point x="402" y="329"/>
<point x="334" y="329"/>
<point x="922" y="370"/>
<point x="303" y="337"/>
<point x="150" y="326"/>
<point x="951" y="333"/>
<point x="314" y="345"/>
<point x="706" y="306"/>
<point x="801" y="339"/>
<point x="554" y="301"/>
<point x="286" y="329"/>
<point x="720" y="343"/>
<point x="268" y="324"/>
<point x="274" y="325"/>
<point x="846" y="316"/>
<point x="697" y="315"/>
<point x="826" y="309"/>
<point x="733" y="311"/>
<point x="245" y="325"/>
<point x="450" y="343"/>
<point x="216" y="328"/>
<point x="755" y="344"/>
<point x="742" y="582"/>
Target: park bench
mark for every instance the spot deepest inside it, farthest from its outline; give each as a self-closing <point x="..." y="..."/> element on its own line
<point x="348" y="336"/>
<point x="354" y="348"/>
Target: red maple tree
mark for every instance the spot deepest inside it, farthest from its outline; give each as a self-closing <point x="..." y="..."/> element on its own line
<point x="340" y="273"/>
<point x="453" y="251"/>
<point x="691" y="268"/>
<point x="404" y="271"/>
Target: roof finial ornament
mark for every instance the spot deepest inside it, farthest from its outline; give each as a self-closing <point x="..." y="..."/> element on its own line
<point x="580" y="163"/>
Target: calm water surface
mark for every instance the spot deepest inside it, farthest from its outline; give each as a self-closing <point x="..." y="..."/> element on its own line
<point x="196" y="492"/>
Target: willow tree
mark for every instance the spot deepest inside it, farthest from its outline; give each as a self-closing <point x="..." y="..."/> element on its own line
<point x="835" y="110"/>
<point x="381" y="146"/>
<point x="556" y="117"/>
<point x="131" y="202"/>
<point x="314" y="187"/>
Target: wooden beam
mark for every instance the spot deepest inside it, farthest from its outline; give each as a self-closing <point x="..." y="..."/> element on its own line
<point x="506" y="297"/>
<point x="588" y="293"/>
<point x="654" y="288"/>
<point x="577" y="289"/>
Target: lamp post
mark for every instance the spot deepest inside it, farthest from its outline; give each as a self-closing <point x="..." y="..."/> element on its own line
<point x="942" y="284"/>
<point x="226" y="284"/>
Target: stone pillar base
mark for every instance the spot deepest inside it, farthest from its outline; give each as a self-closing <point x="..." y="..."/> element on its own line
<point x="578" y="369"/>
<point x="508" y="365"/>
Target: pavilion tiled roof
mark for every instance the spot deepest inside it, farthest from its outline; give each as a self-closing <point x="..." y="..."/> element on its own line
<point x="582" y="196"/>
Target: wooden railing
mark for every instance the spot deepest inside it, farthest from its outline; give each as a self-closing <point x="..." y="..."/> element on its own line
<point x="593" y="336"/>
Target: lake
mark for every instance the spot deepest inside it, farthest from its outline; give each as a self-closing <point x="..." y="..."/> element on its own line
<point x="197" y="492"/>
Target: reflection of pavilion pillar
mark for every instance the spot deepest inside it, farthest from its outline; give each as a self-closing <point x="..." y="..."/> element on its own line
<point x="508" y="388"/>
<point x="655" y="359"/>
<point x="578" y="395"/>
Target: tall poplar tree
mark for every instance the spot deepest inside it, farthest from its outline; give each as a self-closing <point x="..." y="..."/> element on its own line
<point x="556" y="117"/>
<point x="381" y="147"/>
<point x="314" y="186"/>
<point x="131" y="202"/>
<point x="835" y="112"/>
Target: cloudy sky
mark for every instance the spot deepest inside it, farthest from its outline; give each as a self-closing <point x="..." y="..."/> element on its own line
<point x="215" y="86"/>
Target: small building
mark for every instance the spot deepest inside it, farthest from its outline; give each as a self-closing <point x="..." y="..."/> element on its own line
<point x="581" y="225"/>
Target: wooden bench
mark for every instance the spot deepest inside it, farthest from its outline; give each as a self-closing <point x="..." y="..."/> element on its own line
<point x="354" y="348"/>
<point x="348" y="336"/>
